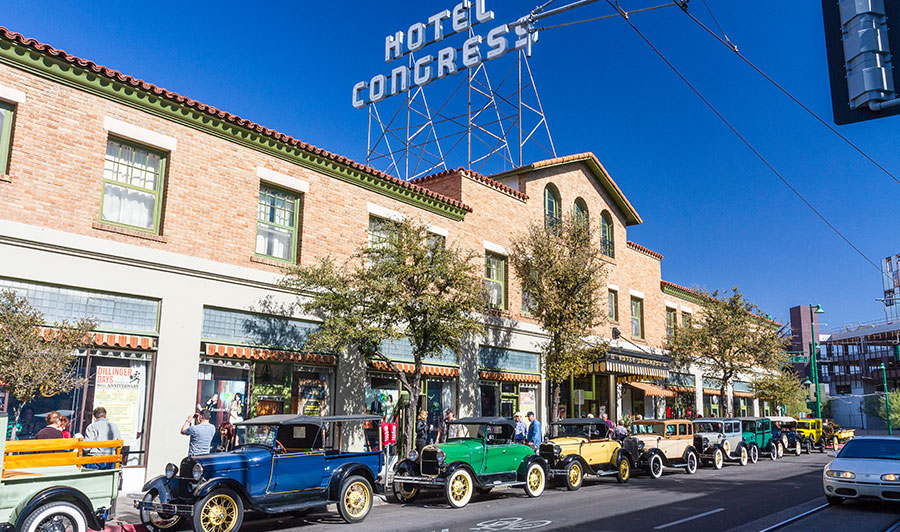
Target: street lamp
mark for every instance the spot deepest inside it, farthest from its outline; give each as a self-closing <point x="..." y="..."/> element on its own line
<point x="812" y="358"/>
<point x="887" y="398"/>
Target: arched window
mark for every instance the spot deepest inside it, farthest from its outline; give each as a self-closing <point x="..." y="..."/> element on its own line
<point x="551" y="206"/>
<point x="607" y="241"/>
<point x="580" y="210"/>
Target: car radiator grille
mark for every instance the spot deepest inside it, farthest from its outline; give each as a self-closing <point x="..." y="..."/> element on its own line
<point x="546" y="452"/>
<point x="429" y="463"/>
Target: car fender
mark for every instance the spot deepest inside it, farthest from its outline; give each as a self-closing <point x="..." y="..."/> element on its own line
<point x="64" y="494"/>
<point x="623" y="453"/>
<point x="694" y="449"/>
<point x="408" y="467"/>
<point x="568" y="459"/>
<point x="526" y="463"/>
<point x="207" y="487"/>
<point x="455" y="466"/>
<point x="159" y="484"/>
<point x="648" y="454"/>
<point x="345" y="471"/>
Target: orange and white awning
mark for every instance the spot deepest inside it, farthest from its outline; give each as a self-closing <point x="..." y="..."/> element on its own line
<point x="427" y="369"/>
<point x="509" y="377"/>
<point x="122" y="341"/>
<point x="256" y="353"/>
<point x="652" y="390"/>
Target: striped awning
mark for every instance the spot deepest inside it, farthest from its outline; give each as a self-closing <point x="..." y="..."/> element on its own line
<point x="123" y="341"/>
<point x="509" y="377"/>
<point x="742" y="394"/>
<point x="256" y="353"/>
<point x="652" y="390"/>
<point x="613" y="366"/>
<point x="427" y="369"/>
<point x="688" y="389"/>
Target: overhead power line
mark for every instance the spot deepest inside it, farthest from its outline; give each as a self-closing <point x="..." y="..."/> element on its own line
<point x="733" y="48"/>
<point x="741" y="137"/>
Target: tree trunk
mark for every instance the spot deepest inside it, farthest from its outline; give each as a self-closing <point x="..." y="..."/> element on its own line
<point x="723" y="398"/>
<point x="554" y="406"/>
<point x="15" y="426"/>
<point x="412" y="412"/>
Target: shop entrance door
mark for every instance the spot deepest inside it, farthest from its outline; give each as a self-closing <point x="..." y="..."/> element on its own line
<point x="265" y="408"/>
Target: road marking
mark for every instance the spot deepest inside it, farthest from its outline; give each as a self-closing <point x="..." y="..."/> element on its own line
<point x="509" y="523"/>
<point x="795" y="518"/>
<point x="686" y="519"/>
<point x="893" y="528"/>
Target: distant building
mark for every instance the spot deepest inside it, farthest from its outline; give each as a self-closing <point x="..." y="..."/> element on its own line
<point x="890" y="268"/>
<point x="802" y="335"/>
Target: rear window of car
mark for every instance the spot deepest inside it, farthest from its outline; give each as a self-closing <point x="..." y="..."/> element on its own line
<point x="876" y="449"/>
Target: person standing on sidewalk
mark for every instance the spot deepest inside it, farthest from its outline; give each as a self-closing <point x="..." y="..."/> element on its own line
<point x="101" y="429"/>
<point x="52" y="430"/>
<point x="535" y="431"/>
<point x="201" y="432"/>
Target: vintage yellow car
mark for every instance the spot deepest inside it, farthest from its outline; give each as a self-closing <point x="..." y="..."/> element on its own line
<point x="584" y="447"/>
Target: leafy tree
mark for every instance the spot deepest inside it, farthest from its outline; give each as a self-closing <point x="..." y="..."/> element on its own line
<point x="728" y="339"/>
<point x="562" y="274"/>
<point x="874" y="405"/>
<point x="785" y="388"/>
<point x="405" y="284"/>
<point x="32" y="362"/>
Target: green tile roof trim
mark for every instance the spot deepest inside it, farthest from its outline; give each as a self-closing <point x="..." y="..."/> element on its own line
<point x="56" y="65"/>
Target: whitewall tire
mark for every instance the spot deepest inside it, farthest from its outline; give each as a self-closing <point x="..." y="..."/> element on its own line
<point x="54" y="516"/>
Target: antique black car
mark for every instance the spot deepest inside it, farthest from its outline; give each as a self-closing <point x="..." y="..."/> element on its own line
<point x="280" y="463"/>
<point x="784" y="431"/>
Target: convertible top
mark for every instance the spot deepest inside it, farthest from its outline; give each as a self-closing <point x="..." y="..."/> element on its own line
<point x="484" y="421"/>
<point x="581" y="421"/>
<point x="295" y="419"/>
<point x="783" y="418"/>
<point x="716" y="419"/>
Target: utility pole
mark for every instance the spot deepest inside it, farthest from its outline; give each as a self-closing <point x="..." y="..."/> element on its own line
<point x="887" y="398"/>
<point x="812" y="356"/>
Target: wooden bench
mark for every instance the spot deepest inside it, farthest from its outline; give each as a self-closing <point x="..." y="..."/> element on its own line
<point x="28" y="454"/>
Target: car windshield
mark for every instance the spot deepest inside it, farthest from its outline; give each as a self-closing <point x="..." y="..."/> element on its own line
<point x="876" y="449"/>
<point x="707" y="426"/>
<point x="648" y="428"/>
<point x="255" y="435"/>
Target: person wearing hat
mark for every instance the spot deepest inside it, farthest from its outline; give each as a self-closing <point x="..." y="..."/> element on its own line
<point x="521" y="430"/>
<point x="535" y="434"/>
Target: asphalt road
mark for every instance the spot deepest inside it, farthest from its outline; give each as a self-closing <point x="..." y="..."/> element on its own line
<point x="736" y="498"/>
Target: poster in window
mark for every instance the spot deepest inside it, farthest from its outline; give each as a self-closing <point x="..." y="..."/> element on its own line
<point x="119" y="390"/>
<point x="225" y="400"/>
<point x="312" y="396"/>
<point x="527" y="400"/>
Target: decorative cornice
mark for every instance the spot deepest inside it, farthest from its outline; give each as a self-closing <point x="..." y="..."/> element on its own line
<point x="474" y="176"/>
<point x="58" y="66"/>
<point x="646" y="251"/>
<point x="684" y="293"/>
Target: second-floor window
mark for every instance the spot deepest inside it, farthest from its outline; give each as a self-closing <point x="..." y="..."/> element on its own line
<point x="637" y="317"/>
<point x="495" y="280"/>
<point x="7" y="112"/>
<point x="685" y="318"/>
<point x="551" y="206"/>
<point x="613" y="306"/>
<point x="276" y="226"/>
<point x="607" y="243"/>
<point x="670" y="321"/>
<point x="132" y="186"/>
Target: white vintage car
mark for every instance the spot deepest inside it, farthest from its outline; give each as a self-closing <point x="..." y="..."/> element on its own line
<point x="868" y="467"/>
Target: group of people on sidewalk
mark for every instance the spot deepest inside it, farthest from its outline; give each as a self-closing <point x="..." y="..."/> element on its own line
<point x="101" y="429"/>
<point x="531" y="434"/>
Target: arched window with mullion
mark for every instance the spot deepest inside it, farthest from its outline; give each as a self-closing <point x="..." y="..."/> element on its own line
<point x="551" y="206"/>
<point x="607" y="239"/>
<point x="580" y="210"/>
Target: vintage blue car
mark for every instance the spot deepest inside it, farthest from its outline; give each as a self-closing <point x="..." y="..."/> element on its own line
<point x="280" y="463"/>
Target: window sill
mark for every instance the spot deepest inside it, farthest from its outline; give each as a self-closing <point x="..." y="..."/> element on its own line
<point x="497" y="313"/>
<point x="6" y="178"/>
<point x="128" y="232"/>
<point x="270" y="262"/>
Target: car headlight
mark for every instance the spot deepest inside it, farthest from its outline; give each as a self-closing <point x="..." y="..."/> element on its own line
<point x="705" y="442"/>
<point x="171" y="470"/>
<point x="833" y="473"/>
<point x="640" y="445"/>
<point x="891" y="477"/>
<point x="557" y="449"/>
<point x="440" y="456"/>
<point x="413" y="455"/>
<point x="197" y="472"/>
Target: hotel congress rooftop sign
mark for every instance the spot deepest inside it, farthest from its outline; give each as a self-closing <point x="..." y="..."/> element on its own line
<point x="420" y="70"/>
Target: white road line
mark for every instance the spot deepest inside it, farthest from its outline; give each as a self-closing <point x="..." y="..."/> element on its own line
<point x="894" y="527"/>
<point x="795" y="518"/>
<point x="686" y="519"/>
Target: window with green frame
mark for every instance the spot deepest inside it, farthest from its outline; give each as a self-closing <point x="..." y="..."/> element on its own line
<point x="671" y="317"/>
<point x="495" y="280"/>
<point x="551" y="206"/>
<point x="132" y="185"/>
<point x="277" y="221"/>
<point x="686" y="318"/>
<point x="7" y="112"/>
<point x="613" y="305"/>
<point x="637" y="317"/>
<point x="580" y="210"/>
<point x="607" y="240"/>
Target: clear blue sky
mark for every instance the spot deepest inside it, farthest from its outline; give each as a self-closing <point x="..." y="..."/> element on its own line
<point x="715" y="212"/>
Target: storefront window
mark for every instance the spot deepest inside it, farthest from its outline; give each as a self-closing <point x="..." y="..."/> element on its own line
<point x="311" y="392"/>
<point x="711" y="405"/>
<point x="222" y="389"/>
<point x="382" y="396"/>
<point x="441" y="396"/>
<point x="490" y="399"/>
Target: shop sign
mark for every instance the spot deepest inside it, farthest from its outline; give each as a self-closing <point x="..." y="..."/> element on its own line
<point x="449" y="60"/>
<point x="120" y="390"/>
<point x="312" y="396"/>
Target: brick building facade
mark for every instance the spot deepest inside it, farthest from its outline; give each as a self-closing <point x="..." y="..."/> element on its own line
<point x="170" y="222"/>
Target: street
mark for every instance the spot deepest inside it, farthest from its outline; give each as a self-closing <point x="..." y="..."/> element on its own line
<point x="747" y="499"/>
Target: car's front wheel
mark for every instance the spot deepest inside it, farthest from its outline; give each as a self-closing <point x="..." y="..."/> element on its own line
<point x="458" y="489"/>
<point x="745" y="456"/>
<point x="780" y="450"/>
<point x="220" y="511"/>
<point x="403" y="493"/>
<point x="535" y="480"/>
<point x="821" y="445"/>
<point x="155" y="521"/>
<point x="574" y="475"/>
<point x="797" y="449"/>
<point x="655" y="466"/>
<point x="356" y="499"/>
<point x="718" y="459"/>
<point x="624" y="471"/>
<point x="773" y="451"/>
<point x="754" y="453"/>
<point x="56" y="516"/>
<point x="692" y="463"/>
<point x="806" y="448"/>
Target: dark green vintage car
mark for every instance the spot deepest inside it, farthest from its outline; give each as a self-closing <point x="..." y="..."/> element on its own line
<point x="483" y="457"/>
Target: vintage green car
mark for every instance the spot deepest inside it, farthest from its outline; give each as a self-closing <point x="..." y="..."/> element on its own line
<point x="46" y="487"/>
<point x="758" y="436"/>
<point x="483" y="457"/>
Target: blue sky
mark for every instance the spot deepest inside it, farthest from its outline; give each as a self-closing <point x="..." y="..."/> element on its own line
<point x="709" y="206"/>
